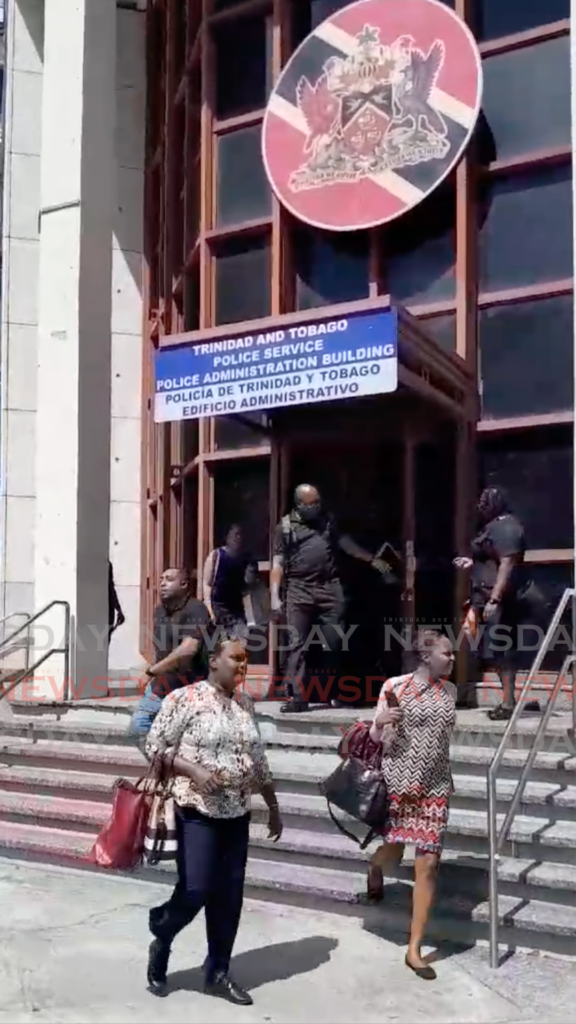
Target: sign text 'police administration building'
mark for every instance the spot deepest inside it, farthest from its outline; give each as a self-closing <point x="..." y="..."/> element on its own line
<point x="324" y="361"/>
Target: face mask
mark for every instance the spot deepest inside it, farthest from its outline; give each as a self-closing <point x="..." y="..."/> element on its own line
<point x="309" y="513"/>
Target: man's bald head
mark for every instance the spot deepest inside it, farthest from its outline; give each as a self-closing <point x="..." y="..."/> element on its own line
<point x="306" y="494"/>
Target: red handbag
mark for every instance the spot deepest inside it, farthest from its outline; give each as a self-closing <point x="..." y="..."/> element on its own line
<point x="121" y="842"/>
<point x="356" y="743"/>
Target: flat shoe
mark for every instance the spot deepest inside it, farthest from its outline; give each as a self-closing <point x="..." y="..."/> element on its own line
<point x="426" y="973"/>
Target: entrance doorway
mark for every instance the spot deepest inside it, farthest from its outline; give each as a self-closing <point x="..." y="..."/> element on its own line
<point x="385" y="469"/>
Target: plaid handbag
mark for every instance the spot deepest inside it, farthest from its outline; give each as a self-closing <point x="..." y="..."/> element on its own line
<point x="160" y="838"/>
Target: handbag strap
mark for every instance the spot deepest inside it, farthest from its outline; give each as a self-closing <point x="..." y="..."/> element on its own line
<point x="362" y="843"/>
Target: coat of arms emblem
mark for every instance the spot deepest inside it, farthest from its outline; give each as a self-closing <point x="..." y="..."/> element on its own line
<point x="371" y="111"/>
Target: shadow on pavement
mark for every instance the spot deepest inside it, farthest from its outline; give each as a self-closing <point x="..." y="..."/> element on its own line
<point x="261" y="966"/>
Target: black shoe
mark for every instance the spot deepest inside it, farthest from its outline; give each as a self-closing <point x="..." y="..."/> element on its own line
<point x="158" y="956"/>
<point x="293" y="707"/>
<point x="222" y="986"/>
<point x="500" y="714"/>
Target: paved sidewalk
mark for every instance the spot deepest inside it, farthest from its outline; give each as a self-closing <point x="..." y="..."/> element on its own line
<point x="73" y="948"/>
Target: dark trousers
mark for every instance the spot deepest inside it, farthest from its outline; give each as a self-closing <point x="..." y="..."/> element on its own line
<point x="211" y="861"/>
<point x="323" y="607"/>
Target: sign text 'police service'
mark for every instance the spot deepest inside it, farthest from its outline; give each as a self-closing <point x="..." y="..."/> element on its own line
<point x="324" y="361"/>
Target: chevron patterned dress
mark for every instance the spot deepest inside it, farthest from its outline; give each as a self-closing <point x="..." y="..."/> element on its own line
<point x="416" y="763"/>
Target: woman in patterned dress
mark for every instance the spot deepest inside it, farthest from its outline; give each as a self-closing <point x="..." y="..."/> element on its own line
<point x="207" y="733"/>
<point x="413" y="722"/>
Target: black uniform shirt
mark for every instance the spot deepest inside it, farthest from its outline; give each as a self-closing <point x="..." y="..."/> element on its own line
<point x="502" y="538"/>
<point x="310" y="554"/>
<point x="170" y="629"/>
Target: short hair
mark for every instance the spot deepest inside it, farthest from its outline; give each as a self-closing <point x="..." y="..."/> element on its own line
<point x="185" y="574"/>
<point x="223" y="637"/>
<point x="426" y="640"/>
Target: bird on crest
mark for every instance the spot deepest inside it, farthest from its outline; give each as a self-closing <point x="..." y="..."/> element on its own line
<point x="414" y="90"/>
<point x="321" y="110"/>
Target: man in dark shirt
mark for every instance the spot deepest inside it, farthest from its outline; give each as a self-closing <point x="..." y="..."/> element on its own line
<point x="305" y="565"/>
<point x="180" y="624"/>
<point x="495" y="580"/>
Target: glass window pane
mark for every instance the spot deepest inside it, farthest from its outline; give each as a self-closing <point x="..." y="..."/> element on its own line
<point x="246" y="431"/>
<point x="241" y="495"/>
<point x="527" y="97"/>
<point x="422" y="251"/>
<point x="535" y="470"/>
<point x="242" y="280"/>
<point x="504" y="17"/>
<point x="441" y="329"/>
<point x="526" y="237"/>
<point x="243" y="65"/>
<point x="526" y="358"/>
<point x="242" y="190"/>
<point x="330" y="268"/>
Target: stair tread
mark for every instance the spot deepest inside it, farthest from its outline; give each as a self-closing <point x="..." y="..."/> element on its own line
<point x="511" y="869"/>
<point x="55" y="807"/>
<point x="532" y="915"/>
<point x="106" y="749"/>
<point x="472" y="822"/>
<point x="17" y="835"/>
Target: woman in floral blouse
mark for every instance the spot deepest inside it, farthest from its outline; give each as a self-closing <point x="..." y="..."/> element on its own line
<point x="208" y="733"/>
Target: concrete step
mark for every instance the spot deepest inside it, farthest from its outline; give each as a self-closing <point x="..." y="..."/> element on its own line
<point x="322" y="729"/>
<point x="319" y="729"/>
<point x="67" y="755"/>
<point x="535" y="838"/>
<point x="536" y="925"/>
<point x="554" y="883"/>
<point x="460" y="918"/>
<point x="90" y="768"/>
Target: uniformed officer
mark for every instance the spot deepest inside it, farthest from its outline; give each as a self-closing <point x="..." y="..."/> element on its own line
<point x="305" y="568"/>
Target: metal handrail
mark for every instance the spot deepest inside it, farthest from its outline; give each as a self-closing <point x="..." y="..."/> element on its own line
<point x="497" y="837"/>
<point x="7" y="688"/>
<point x="13" y="615"/>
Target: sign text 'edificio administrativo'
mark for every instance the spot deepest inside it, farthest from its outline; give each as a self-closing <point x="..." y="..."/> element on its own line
<point x="324" y="361"/>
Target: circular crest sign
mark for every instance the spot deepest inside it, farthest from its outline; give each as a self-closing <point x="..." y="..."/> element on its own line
<point x="371" y="112"/>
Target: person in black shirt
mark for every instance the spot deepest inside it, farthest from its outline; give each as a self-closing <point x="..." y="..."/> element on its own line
<point x="305" y="565"/>
<point x="180" y="625"/>
<point x="224" y="584"/>
<point x="497" y="555"/>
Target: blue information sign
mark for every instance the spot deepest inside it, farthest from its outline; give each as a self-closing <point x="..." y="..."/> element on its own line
<point x="323" y="361"/>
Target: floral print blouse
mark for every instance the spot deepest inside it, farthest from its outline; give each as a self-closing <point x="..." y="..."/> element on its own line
<point x="219" y="733"/>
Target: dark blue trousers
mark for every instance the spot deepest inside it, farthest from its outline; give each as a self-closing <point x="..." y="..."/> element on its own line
<point x="212" y="855"/>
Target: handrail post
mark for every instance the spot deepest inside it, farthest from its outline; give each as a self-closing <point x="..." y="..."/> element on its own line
<point x="494" y="857"/>
<point x="66" y="689"/>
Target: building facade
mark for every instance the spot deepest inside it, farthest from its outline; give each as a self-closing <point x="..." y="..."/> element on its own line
<point x="168" y="221"/>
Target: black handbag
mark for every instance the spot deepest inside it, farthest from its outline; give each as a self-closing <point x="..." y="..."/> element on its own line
<point x="360" y="791"/>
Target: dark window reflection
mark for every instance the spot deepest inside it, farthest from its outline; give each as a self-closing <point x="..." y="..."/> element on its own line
<point x="241" y="495"/>
<point x="242" y="280"/>
<point x="496" y="18"/>
<point x="330" y="268"/>
<point x="246" y="431"/>
<point x="441" y="329"/>
<point x="192" y="300"/>
<point x="535" y="469"/>
<point x="422" y="251"/>
<point x="526" y="358"/>
<point x="526" y="237"/>
<point x="527" y="97"/>
<point x="243" y="65"/>
<point x="242" y="190"/>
